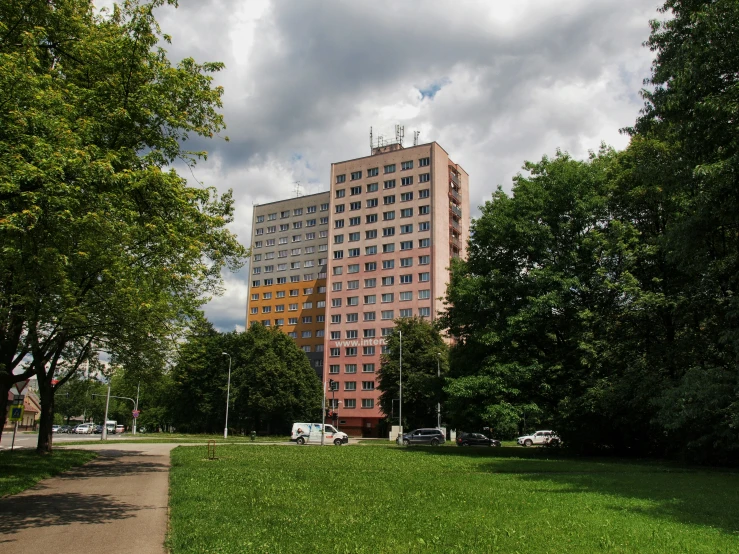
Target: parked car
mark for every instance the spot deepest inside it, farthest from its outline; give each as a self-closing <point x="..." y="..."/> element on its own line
<point x="97" y="429"/>
<point x="55" y="428"/>
<point x="84" y="428"/>
<point x="434" y="437"/>
<point x="476" y="439"/>
<point x="311" y="432"/>
<point x="540" y="438"/>
<point x="119" y="429"/>
<point x="65" y="429"/>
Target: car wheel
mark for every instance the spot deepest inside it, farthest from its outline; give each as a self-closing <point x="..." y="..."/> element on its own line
<point x="338" y="442"/>
<point x="406" y="442"/>
<point x="434" y="442"/>
<point x="300" y="440"/>
<point x="527" y="442"/>
<point x="465" y="444"/>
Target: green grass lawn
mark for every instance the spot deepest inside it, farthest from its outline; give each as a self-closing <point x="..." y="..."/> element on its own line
<point x="155" y="438"/>
<point x="386" y="499"/>
<point x="22" y="469"/>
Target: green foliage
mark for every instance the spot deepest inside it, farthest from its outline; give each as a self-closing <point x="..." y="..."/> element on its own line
<point x="443" y="500"/>
<point x="104" y="245"/>
<point x="424" y="355"/>
<point x="22" y="469"/>
<point x="272" y="382"/>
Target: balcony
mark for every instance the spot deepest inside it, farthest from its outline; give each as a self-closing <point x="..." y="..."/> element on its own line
<point x="454" y="177"/>
<point x="455" y="210"/>
<point x="454" y="241"/>
<point x="454" y="195"/>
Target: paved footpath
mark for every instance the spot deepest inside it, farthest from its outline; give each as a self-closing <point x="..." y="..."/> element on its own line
<point x="116" y="503"/>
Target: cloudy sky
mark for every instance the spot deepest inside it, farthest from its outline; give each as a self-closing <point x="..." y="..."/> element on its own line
<point x="495" y="83"/>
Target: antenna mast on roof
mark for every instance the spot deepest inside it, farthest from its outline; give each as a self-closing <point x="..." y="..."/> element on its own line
<point x="297" y="189"/>
<point x="371" y="146"/>
<point x="399" y="134"/>
<point x="416" y="134"/>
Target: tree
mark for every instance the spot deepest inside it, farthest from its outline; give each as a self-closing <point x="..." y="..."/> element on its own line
<point x="422" y="388"/>
<point x="272" y="382"/>
<point x="104" y="246"/>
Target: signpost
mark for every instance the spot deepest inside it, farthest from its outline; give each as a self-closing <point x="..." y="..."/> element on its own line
<point x="135" y="413"/>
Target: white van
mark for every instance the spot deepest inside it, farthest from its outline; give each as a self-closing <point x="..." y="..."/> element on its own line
<point x="311" y="432"/>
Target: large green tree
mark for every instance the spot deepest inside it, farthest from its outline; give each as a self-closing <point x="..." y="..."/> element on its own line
<point x="424" y="356"/>
<point x="272" y="382"/>
<point x="104" y="246"/>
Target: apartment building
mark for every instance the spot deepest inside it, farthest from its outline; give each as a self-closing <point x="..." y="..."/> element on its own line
<point x="396" y="219"/>
<point x="335" y="269"/>
<point x="290" y="246"/>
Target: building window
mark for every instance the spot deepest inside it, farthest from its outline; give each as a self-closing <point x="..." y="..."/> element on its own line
<point x="406" y="262"/>
<point x="338" y="224"/>
<point x="306" y="334"/>
<point x="335" y="335"/>
<point x="333" y="368"/>
<point x="389" y="247"/>
<point x="372" y="202"/>
<point x="352" y="285"/>
<point x="352" y="301"/>
<point x="406" y="165"/>
<point x="390" y="184"/>
<point x="370" y="299"/>
<point x="369" y="316"/>
<point x="389" y="168"/>
<point x="350" y="403"/>
<point x="255" y="283"/>
<point x="424" y="210"/>
<point x="368" y="368"/>
<point x="353" y="252"/>
<point x="368" y="403"/>
<point x="368" y="385"/>
<point x="336" y="302"/>
<point x="341" y="178"/>
<point x="350" y="351"/>
<point x="355" y="206"/>
<point x="352" y="318"/>
<point x="371" y="218"/>
<point x="372" y="187"/>
<point x="424" y="294"/>
<point x="388" y="281"/>
<point x="370" y="266"/>
<point x="388" y="231"/>
<point x="406" y="279"/>
<point x="405" y="296"/>
<point x="424" y="178"/>
<point x="424" y="312"/>
<point x="336" y="318"/>
<point x="405" y="181"/>
<point x="406" y="313"/>
<point x="388" y="199"/>
<point x="406" y="212"/>
<point x="355" y="190"/>
<point x="355" y="221"/>
<point x="424" y="277"/>
<point x="388" y="314"/>
<point x="311" y="210"/>
<point x="351" y="334"/>
<point x="353" y="268"/>
<point x="371" y="234"/>
<point x="388" y="216"/>
<point x="370" y="250"/>
<point x="255" y="310"/>
<point x="405" y="229"/>
<point x="369" y="333"/>
<point x="424" y="193"/>
<point x="368" y="350"/>
<point x="424" y="226"/>
<point x="339" y="208"/>
<point x="334" y="353"/>
<point x="424" y="243"/>
<point x="388" y="297"/>
<point x="356" y="175"/>
<point x="388" y="264"/>
<point x="370" y="283"/>
<point x="258" y="244"/>
<point x="350" y="368"/>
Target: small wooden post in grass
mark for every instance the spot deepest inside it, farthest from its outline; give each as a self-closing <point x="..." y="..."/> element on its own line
<point x="212" y="450"/>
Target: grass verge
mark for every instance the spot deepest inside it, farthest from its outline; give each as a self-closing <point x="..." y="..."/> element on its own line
<point x="22" y="469"/>
<point x="283" y="499"/>
<point x="178" y="438"/>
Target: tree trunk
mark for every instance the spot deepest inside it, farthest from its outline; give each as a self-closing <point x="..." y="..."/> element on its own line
<point x="46" y="391"/>
<point x="4" y="389"/>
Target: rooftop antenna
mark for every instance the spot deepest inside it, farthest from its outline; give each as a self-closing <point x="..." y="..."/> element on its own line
<point x="416" y="134"/>
<point x="399" y="134"/>
<point x="297" y="189"/>
<point x="371" y="146"/>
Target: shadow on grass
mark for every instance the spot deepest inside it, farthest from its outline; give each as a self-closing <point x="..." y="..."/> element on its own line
<point x="696" y="496"/>
<point x="108" y="465"/>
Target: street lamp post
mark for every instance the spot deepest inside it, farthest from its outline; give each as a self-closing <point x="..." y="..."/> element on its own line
<point x="400" y="392"/>
<point x="228" y="393"/>
<point x="136" y="407"/>
<point x="104" y="433"/>
<point x="438" y="404"/>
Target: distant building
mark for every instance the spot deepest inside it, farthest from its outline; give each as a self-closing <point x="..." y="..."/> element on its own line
<point x="335" y="269"/>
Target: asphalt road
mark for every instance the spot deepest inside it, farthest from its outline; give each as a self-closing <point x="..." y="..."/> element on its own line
<point x="29" y="440"/>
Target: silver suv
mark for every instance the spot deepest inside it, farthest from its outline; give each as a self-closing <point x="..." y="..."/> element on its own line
<point x="434" y="437"/>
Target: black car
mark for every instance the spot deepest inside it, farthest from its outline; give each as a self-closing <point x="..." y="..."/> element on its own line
<point x="434" y="437"/>
<point x="476" y="439"/>
<point x="98" y="429"/>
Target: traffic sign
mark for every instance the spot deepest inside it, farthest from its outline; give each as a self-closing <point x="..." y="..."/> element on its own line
<point x="18" y="387"/>
<point x="16" y="413"/>
<point x="135" y="413"/>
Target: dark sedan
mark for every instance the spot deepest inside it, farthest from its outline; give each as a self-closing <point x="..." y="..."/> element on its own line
<point x="476" y="439"/>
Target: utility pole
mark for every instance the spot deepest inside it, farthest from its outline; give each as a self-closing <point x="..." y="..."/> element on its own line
<point x="136" y="407"/>
<point x="438" y="404"/>
<point x="104" y="434"/>
<point x="400" y="402"/>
